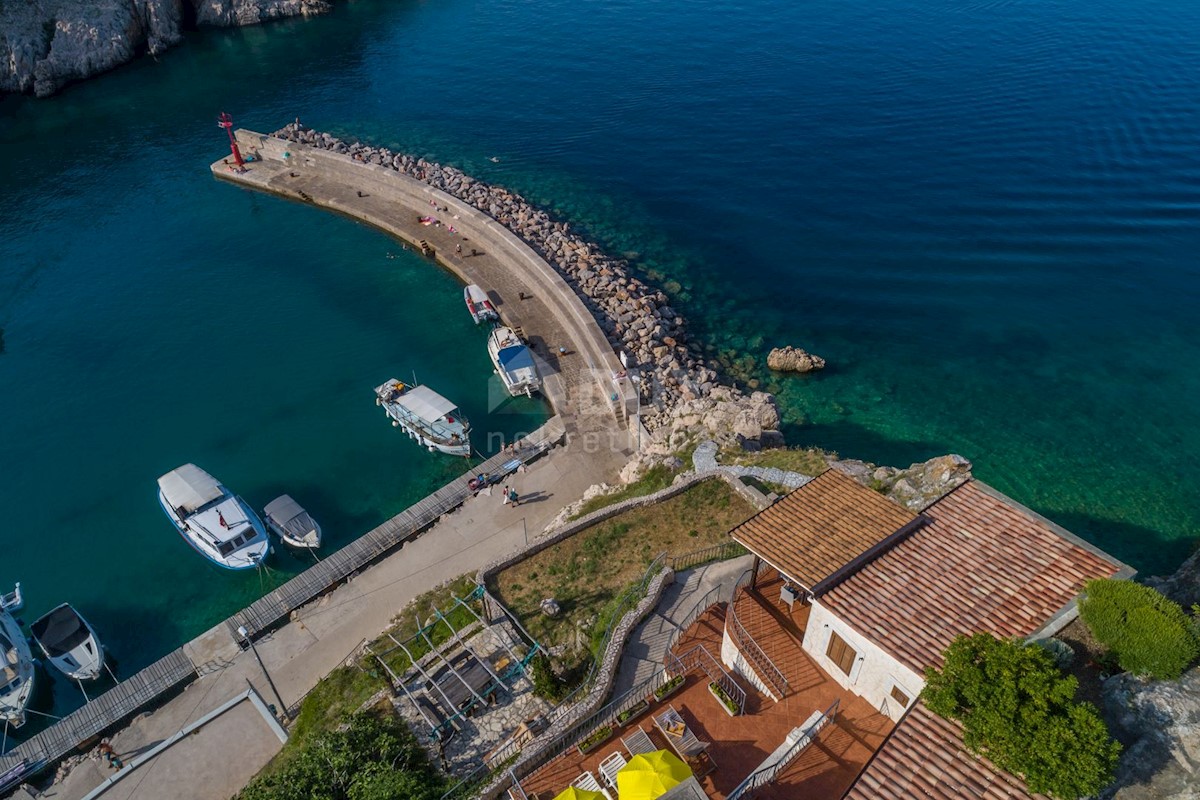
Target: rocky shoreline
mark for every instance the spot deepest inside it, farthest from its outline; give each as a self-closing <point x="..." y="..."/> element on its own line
<point x="46" y="44"/>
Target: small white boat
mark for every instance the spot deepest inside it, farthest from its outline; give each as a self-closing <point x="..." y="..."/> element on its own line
<point x="514" y="362"/>
<point x="14" y="600"/>
<point x="218" y="524"/>
<point x="16" y="671"/>
<point x="291" y="523"/>
<point x="426" y="416"/>
<point x="69" y="643"/>
<point x="479" y="305"/>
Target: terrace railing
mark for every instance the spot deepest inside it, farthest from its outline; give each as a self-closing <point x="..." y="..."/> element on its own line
<point x="769" y="772"/>
<point x="699" y="658"/>
<point x="758" y="659"/>
<point x="716" y="552"/>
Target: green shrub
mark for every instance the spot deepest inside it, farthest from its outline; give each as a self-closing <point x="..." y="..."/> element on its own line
<point x="1149" y="634"/>
<point x="373" y="758"/>
<point x="668" y="687"/>
<point x="546" y="683"/>
<point x="1020" y="711"/>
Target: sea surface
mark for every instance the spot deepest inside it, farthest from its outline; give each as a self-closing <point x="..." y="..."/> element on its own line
<point x="985" y="215"/>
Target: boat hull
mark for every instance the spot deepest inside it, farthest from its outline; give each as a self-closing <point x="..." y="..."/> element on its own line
<point x="182" y="528"/>
<point x="450" y="434"/>
<point x="18" y="676"/>
<point x="81" y="659"/>
<point x="308" y="543"/>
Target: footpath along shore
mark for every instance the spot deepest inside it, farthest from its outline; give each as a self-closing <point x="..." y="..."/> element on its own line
<point x="218" y="759"/>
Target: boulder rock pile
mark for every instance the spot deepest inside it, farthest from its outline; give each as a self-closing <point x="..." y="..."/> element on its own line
<point x="793" y="359"/>
<point x="637" y="319"/>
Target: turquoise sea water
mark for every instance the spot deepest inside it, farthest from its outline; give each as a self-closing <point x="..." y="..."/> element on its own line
<point x="984" y="214"/>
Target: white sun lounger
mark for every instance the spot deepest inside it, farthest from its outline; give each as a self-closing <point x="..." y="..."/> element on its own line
<point x="638" y="742"/>
<point x="588" y="781"/>
<point x="610" y="766"/>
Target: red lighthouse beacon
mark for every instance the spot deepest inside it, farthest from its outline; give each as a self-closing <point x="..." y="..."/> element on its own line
<point x="225" y="121"/>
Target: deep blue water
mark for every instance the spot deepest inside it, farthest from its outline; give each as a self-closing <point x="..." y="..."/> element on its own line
<point x="984" y="214"/>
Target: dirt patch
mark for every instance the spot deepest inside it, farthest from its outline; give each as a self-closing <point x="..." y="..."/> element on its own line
<point x="1089" y="664"/>
<point x="588" y="571"/>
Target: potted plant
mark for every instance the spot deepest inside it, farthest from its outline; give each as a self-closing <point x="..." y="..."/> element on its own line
<point x="630" y="713"/>
<point x="669" y="688"/>
<point x="595" y="739"/>
<point x="723" y="698"/>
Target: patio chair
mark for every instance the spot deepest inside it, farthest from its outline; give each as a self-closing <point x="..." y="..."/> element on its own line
<point x="588" y="781"/>
<point x="610" y="766"/>
<point x="638" y="742"/>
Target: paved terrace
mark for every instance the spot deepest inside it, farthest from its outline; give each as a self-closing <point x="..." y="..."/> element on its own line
<point x="826" y="769"/>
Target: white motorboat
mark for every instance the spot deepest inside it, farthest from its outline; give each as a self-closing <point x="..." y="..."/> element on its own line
<point x="16" y="671"/>
<point x="218" y="524"/>
<point x="291" y="523"/>
<point x="479" y="305"/>
<point x="426" y="416"/>
<point x="69" y="643"/>
<point x="514" y="362"/>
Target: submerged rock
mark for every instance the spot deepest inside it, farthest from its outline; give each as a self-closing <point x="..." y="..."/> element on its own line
<point x="793" y="359"/>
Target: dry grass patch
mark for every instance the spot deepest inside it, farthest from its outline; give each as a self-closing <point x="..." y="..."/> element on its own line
<point x="805" y="460"/>
<point x="588" y="571"/>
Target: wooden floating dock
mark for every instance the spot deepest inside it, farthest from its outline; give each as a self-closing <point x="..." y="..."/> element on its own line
<point x="133" y="694"/>
<point x="119" y="702"/>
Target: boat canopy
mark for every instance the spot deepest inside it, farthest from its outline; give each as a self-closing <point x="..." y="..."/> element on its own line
<point x="426" y="404"/>
<point x="189" y="488"/>
<point x="515" y="358"/>
<point x="60" y="631"/>
<point x="289" y="515"/>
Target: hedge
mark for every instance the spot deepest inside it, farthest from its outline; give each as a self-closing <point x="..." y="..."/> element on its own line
<point x="1149" y="634"/>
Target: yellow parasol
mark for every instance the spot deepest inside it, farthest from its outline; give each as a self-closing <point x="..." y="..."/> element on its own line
<point x="651" y="775"/>
<point x="575" y="793"/>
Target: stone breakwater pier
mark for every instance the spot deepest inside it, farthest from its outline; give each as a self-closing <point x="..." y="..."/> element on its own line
<point x="634" y="317"/>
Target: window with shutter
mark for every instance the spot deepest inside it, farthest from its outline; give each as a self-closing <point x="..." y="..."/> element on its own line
<point x="840" y="653"/>
<point x="899" y="696"/>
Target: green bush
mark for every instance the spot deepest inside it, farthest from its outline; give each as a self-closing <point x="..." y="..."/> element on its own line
<point x="374" y="758"/>
<point x="1020" y="711"/>
<point x="1149" y="634"/>
<point x="546" y="682"/>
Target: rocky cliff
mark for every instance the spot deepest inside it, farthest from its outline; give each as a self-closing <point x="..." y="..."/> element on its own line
<point x="45" y="44"/>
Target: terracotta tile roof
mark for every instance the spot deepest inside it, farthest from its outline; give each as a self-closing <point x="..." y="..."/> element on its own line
<point x="925" y="757"/>
<point x="819" y="528"/>
<point x="983" y="564"/>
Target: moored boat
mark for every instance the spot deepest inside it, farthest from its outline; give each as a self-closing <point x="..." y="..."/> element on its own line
<point x="16" y="671"/>
<point x="218" y="524"/>
<point x="70" y="643"/>
<point x="514" y="362"/>
<point x="426" y="416"/>
<point x="12" y="601"/>
<point x="291" y="523"/>
<point x="479" y="305"/>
